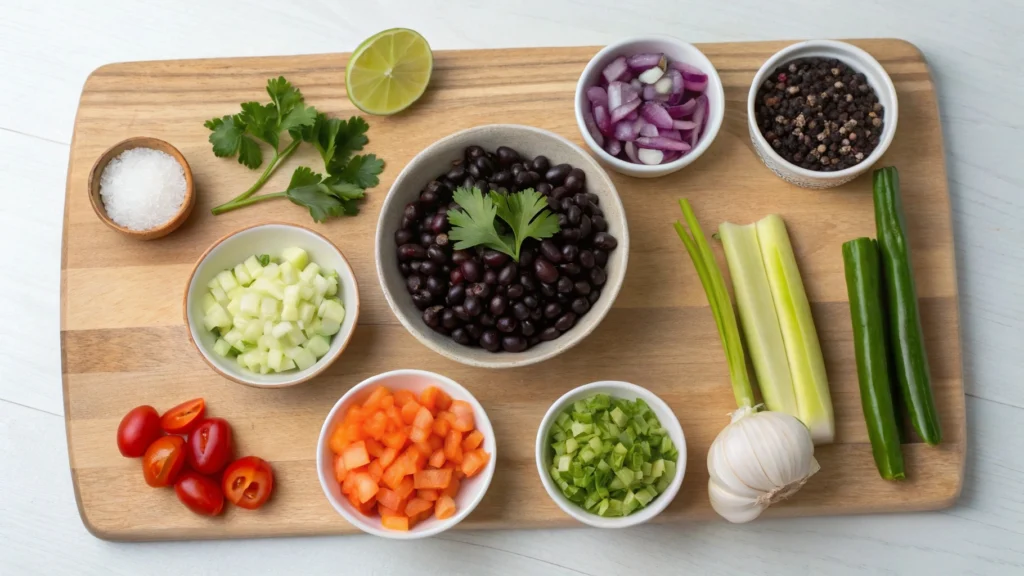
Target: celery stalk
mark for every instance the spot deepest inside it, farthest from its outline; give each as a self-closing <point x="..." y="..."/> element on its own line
<point x="757" y="316"/>
<point x="810" y="383"/>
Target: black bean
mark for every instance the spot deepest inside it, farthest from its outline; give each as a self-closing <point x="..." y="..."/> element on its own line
<point x="552" y="310"/>
<point x="598" y="277"/>
<point x="500" y="291"/>
<point x="469" y="182"/>
<point x="515" y="292"/>
<point x="404" y="268"/>
<point x="570" y="235"/>
<point x="457" y="173"/>
<point x="570" y="252"/>
<point x="411" y="252"/>
<point x="594" y="295"/>
<point x="506" y="324"/>
<point x="436" y="286"/>
<point x="456" y="295"/>
<point x="429" y="268"/>
<point x="540" y="164"/>
<point x="506" y="156"/>
<point x="432" y="316"/>
<point x="472" y="305"/>
<point x="414" y="283"/>
<point x="605" y="241"/>
<point x="586" y="259"/>
<point x="437" y="254"/>
<point x="412" y="210"/>
<point x="599" y="223"/>
<point x="480" y="290"/>
<point x="490" y="277"/>
<point x="544" y="189"/>
<point x="594" y="199"/>
<point x="529" y="284"/>
<point x="461" y="314"/>
<point x="564" y="298"/>
<point x="586" y="227"/>
<point x="490" y="341"/>
<point x="550" y="333"/>
<point x="520" y="311"/>
<point x="403" y="236"/>
<point x="422" y="299"/>
<point x="570" y="269"/>
<point x="563" y="220"/>
<point x="526" y="257"/>
<point x="513" y="343"/>
<point x="560" y="192"/>
<point x="550" y="251"/>
<point x="600" y="257"/>
<point x="566" y="321"/>
<point x="580" y="306"/>
<point x="574" y="214"/>
<point x="448" y="319"/>
<point x="548" y="290"/>
<point x="508" y="274"/>
<point x="525" y="179"/>
<point x="470" y="270"/>
<point x="436" y="188"/>
<point x="582" y="288"/>
<point x="502" y="178"/>
<point x="439" y="223"/>
<point x="455" y="276"/>
<point x="531" y="301"/>
<point x="494" y="259"/>
<point x="566" y="204"/>
<point x="460" y="256"/>
<point x="556" y="175"/>
<point x="461" y="336"/>
<point x="573" y="181"/>
<point x="498" y="305"/>
<point x="474" y="151"/>
<point x="516" y="169"/>
<point x="474" y="331"/>
<point x="564" y="285"/>
<point x="415" y="265"/>
<point x="486" y="320"/>
<point x="536" y="314"/>
<point x="441" y="240"/>
<point x="474" y="171"/>
<point x="544" y="270"/>
<point x="528" y="327"/>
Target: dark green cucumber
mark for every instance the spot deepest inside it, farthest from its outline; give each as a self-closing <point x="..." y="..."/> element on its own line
<point x="906" y="338"/>
<point x="870" y="342"/>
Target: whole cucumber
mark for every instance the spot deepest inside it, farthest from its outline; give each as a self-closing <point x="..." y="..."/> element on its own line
<point x="864" y="286"/>
<point x="904" y="318"/>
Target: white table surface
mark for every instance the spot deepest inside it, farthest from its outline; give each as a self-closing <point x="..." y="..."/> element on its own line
<point x="976" y="51"/>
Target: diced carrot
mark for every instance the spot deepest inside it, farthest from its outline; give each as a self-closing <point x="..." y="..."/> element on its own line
<point x="419" y="434"/>
<point x="353" y="499"/>
<point x="393" y="476"/>
<point x="405" y="487"/>
<point x="428" y="398"/>
<point x="439" y="479"/>
<point x="372" y="403"/>
<point x="428" y="494"/>
<point x="355" y="455"/>
<point x="376" y="425"/>
<point x="388" y="498"/>
<point x="424" y="420"/>
<point x="447" y="416"/>
<point x="373" y="448"/>
<point x="349" y="484"/>
<point x="366" y="486"/>
<point x="375" y="470"/>
<point x="417" y="506"/>
<point x="387" y="402"/>
<point x="339" y="468"/>
<point x="453" y="446"/>
<point x="474" y="462"/>
<point x="441" y="426"/>
<point x="403" y="397"/>
<point x="368" y="508"/>
<point x="444" y="507"/>
<point x="426" y="449"/>
<point x="400" y="523"/>
<point x="344" y="435"/>
<point x="414" y="520"/>
<point x="409" y="411"/>
<point x="436" y="442"/>
<point x="387" y="457"/>
<point x="415" y="457"/>
<point x="452" y="489"/>
<point x="463" y="412"/>
<point x="472" y="441"/>
<point x="443" y="400"/>
<point x="437" y="458"/>
<point x="394" y="440"/>
<point x="394" y="415"/>
<point x="386" y="511"/>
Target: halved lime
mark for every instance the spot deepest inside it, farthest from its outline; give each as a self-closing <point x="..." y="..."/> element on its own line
<point x="389" y="71"/>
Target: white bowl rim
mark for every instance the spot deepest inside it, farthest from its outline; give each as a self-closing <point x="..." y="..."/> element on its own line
<point x="888" y="131"/>
<point x="299" y="376"/>
<point x="325" y="473"/>
<point x="639" y="517"/>
<point x="714" y="121"/>
<point x="502" y="359"/>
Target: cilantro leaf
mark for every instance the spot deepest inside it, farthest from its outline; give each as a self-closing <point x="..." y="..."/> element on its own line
<point x="249" y="153"/>
<point x="321" y="206"/>
<point x="341" y="189"/>
<point x="298" y="117"/>
<point x="261" y="121"/>
<point x="350" y="138"/>
<point x="264" y="259"/>
<point x="525" y="212"/>
<point x="474" y="224"/>
<point x="325" y="198"/>
<point x="321" y="134"/>
<point x="284" y="95"/>
<point x="362" y="170"/>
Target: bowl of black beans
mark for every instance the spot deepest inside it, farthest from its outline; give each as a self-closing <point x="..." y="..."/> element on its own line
<point x="501" y="245"/>
<point x="821" y="112"/>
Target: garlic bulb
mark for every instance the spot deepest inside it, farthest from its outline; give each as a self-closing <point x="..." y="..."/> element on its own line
<point x="757" y="460"/>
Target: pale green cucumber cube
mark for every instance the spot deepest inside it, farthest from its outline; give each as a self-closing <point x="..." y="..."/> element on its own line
<point x="227" y="280"/>
<point x="289" y="275"/>
<point x="306" y="292"/>
<point x="254" y="267"/>
<point x="291" y="295"/>
<point x="234" y="307"/>
<point x="292" y="352"/>
<point x="268" y="328"/>
<point x="219" y="295"/>
<point x="311" y="271"/>
<point x="296" y="337"/>
<point x="320" y="284"/>
<point x="217" y="317"/>
<point x="333" y="310"/>
<point x="239" y="321"/>
<point x="318" y="346"/>
<point x="268" y="307"/>
<point x="213" y="283"/>
<point x="271" y="271"/>
<point x="242" y="275"/>
<point x="306" y="313"/>
<point x="251" y="304"/>
<point x="253" y="331"/>
<point x="312" y="328"/>
<point x="274" y="359"/>
<point x="287" y="364"/>
<point x="208" y="302"/>
<point x="332" y="286"/>
<point x="281" y="329"/>
<point x="221" y="347"/>
<point x="329" y="327"/>
<point x="290" y="312"/>
<point x="295" y="256"/>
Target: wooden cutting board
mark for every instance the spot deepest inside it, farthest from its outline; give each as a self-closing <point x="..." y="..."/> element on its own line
<point x="124" y="343"/>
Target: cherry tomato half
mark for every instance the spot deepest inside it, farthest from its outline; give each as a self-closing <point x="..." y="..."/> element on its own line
<point x="248" y="482"/>
<point x="138" y="429"/>
<point x="163" y="461"/>
<point x="199" y="493"/>
<point x="184" y="417"/>
<point x="209" y="446"/>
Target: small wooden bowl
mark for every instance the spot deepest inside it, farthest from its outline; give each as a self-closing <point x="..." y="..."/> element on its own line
<point x="141" y="142"/>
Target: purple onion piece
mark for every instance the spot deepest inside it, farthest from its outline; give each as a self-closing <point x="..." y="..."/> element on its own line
<point x="699" y="118"/>
<point x="678" y="86"/>
<point x="673" y="134"/>
<point x="642" y="62"/>
<point x="635" y="83"/>
<point x="615" y="94"/>
<point x="684" y="67"/>
<point x="630" y="93"/>
<point x="649" y="130"/>
<point x="601" y="118"/>
<point x="613" y="147"/>
<point x="621" y="112"/>
<point x="656" y="114"/>
<point x="695" y="84"/>
<point x="626" y="130"/>
<point x="597" y="95"/>
<point x="684" y="124"/>
<point x="595" y="132"/>
<point x="630" y="149"/>
<point x="683" y="110"/>
<point x="615" y="70"/>
<point x="672" y="156"/>
<point x="632" y="116"/>
<point x="662" y="143"/>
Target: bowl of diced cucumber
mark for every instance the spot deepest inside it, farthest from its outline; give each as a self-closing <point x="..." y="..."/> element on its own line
<point x="611" y="454"/>
<point x="271" y="305"/>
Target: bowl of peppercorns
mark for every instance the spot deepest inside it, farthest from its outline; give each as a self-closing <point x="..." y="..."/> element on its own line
<point x="501" y="246"/>
<point x="821" y="112"/>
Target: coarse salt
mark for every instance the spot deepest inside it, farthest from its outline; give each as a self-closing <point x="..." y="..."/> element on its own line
<point x="142" y="188"/>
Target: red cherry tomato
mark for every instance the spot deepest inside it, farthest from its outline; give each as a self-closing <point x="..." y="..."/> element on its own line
<point x="248" y="482"/>
<point x="163" y="461"/>
<point x="138" y="429"/>
<point x="184" y="417"/>
<point x="209" y="446"/>
<point x="201" y="494"/>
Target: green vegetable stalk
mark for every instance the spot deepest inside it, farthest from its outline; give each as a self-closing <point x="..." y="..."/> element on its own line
<point x="864" y="286"/>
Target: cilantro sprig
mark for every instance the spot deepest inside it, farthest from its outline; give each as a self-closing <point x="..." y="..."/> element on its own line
<point x="524" y="212"/>
<point x="347" y="174"/>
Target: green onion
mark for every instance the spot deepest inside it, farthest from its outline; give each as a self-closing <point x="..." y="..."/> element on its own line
<point x="611" y="456"/>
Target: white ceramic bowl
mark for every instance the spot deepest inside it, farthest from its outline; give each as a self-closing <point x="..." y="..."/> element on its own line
<point x="471" y="491"/>
<point x="675" y="50"/>
<point x="437" y="158"/>
<point x="853" y="57"/>
<point x="626" y="391"/>
<point x="268" y="239"/>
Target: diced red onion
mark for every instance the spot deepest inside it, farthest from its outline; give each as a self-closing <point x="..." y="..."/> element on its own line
<point x="673" y="134"/>
<point x="602" y="120"/>
<point x="684" y="109"/>
<point x="630" y="149"/>
<point x="629" y="93"/>
<point x="656" y="114"/>
<point x="595" y="132"/>
<point x="672" y="156"/>
<point x="684" y="68"/>
<point x="662" y="143"/>
<point x="615" y="94"/>
<point x="684" y="124"/>
<point x="632" y="115"/>
<point x="616" y="69"/>
<point x="699" y="118"/>
<point x="597" y="95"/>
<point x="649" y="130"/>
<point x="644" y="61"/>
<point x="626" y="130"/>
<point x="636" y="84"/>
<point x="613" y="147"/>
<point x="650" y="156"/>
<point x="620" y="113"/>
<point x="651" y="75"/>
<point x="677" y="81"/>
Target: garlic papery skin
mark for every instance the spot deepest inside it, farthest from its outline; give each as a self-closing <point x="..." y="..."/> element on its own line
<point x="757" y="460"/>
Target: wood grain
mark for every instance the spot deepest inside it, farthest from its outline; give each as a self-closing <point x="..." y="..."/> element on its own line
<point x="131" y="349"/>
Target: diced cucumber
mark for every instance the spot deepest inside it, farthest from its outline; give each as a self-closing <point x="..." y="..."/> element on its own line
<point x="251" y="304"/>
<point x="221" y="347"/>
<point x="219" y="295"/>
<point x="290" y="312"/>
<point x="274" y="359"/>
<point x="271" y="271"/>
<point x="239" y="321"/>
<point x="329" y="327"/>
<point x="311" y="271"/>
<point x="312" y="328"/>
<point x="296" y="337"/>
<point x="320" y="284"/>
<point x="297" y="257"/>
<point x="306" y="292"/>
<point x="318" y="346"/>
<point x="254" y="267"/>
<point x="291" y="295"/>
<point x="266" y="342"/>
<point x="227" y="280"/>
<point x="208" y="302"/>
<point x="242" y="275"/>
<point x="217" y="317"/>
<point x="234" y="307"/>
<point x="289" y="275"/>
<point x="306" y="313"/>
<point x="281" y="329"/>
<point x="332" y="286"/>
<point x="268" y="307"/>
<point x="303" y="359"/>
<point x="253" y="331"/>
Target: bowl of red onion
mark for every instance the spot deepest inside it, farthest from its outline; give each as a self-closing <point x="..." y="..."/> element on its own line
<point x="649" y="106"/>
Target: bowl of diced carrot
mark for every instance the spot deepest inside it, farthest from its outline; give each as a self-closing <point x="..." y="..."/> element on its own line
<point x="406" y="454"/>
